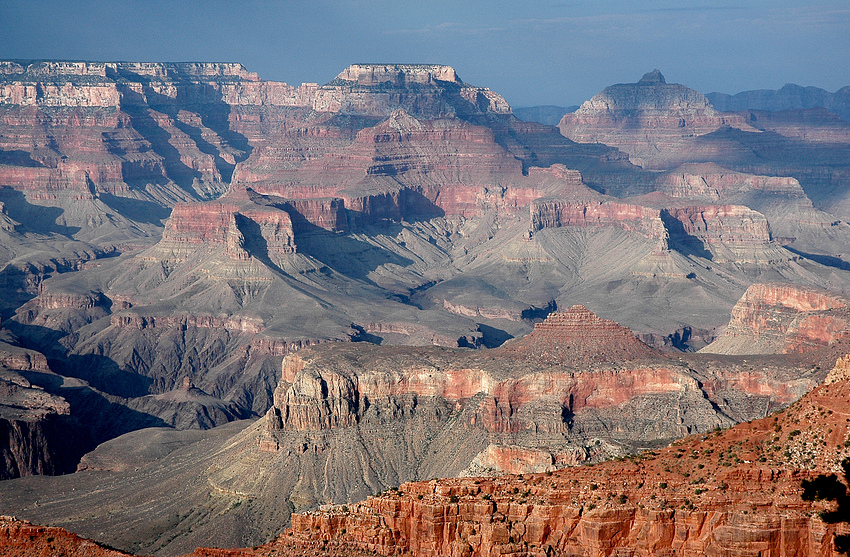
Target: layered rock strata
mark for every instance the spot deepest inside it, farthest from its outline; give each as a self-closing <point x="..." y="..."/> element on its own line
<point x="783" y="318"/>
<point x="735" y="492"/>
<point x="453" y="412"/>
<point x="36" y="430"/>
<point x="651" y="120"/>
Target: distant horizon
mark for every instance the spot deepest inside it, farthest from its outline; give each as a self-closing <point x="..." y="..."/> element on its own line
<point x="362" y="63"/>
<point x="558" y="52"/>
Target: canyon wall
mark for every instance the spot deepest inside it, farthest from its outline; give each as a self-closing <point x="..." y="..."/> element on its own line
<point x="782" y="319"/>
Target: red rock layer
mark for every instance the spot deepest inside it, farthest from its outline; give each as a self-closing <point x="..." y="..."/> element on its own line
<point x="19" y="538"/>
<point x="578" y="336"/>
<point x="783" y="318"/>
<point x="405" y="167"/>
<point x="732" y="493"/>
<point x="553" y="213"/>
<point x="243" y="227"/>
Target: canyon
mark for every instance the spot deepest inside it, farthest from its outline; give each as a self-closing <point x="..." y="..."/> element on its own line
<point x="270" y="299"/>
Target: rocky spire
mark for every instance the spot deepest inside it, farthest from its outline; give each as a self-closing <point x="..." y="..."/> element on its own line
<point x="652" y="78"/>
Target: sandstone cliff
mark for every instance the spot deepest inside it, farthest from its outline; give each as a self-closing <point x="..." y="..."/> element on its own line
<point x="734" y="492"/>
<point x="781" y="319"/>
<point x="726" y="492"/>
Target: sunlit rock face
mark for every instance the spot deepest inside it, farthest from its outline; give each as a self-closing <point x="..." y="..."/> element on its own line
<point x="651" y="120"/>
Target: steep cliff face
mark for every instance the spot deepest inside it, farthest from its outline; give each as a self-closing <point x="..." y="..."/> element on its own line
<point x="36" y="431"/>
<point x="377" y="89"/>
<point x="735" y="492"/>
<point x="781" y="319"/>
<point x="368" y="417"/>
<point x="112" y="146"/>
<point x="554" y="213"/>
<point x="651" y="120"/>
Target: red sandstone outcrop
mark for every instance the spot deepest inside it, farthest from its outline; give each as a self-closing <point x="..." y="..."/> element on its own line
<point x="578" y="336"/>
<point x="574" y="364"/>
<point x="781" y="319"/>
<point x="734" y="493"/>
<point x="19" y="538"/>
<point x="554" y="213"/>
<point x="651" y="120"/>
<point x="237" y="227"/>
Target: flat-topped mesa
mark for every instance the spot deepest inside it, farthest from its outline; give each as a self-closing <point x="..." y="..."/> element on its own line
<point x="241" y="228"/>
<point x="652" y="120"/>
<point x="579" y="336"/>
<point x="652" y="92"/>
<point x="783" y="318"/>
<point x="41" y="69"/>
<point x="429" y="90"/>
<point x="114" y="84"/>
<point x="398" y="74"/>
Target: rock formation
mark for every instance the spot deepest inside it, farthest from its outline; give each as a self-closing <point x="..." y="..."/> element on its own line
<point x="36" y="431"/>
<point x="781" y="319"/>
<point x="19" y="538"/>
<point x="579" y="337"/>
<point x="651" y="120"/>
<point x="733" y="492"/>
<point x="787" y="97"/>
<point x="351" y="419"/>
<point x="396" y="205"/>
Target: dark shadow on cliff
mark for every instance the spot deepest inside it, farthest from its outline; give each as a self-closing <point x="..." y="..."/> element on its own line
<point x="680" y="240"/>
<point x="827" y="260"/>
<point x="34" y="218"/>
<point x="17" y="157"/>
<point x="136" y="209"/>
<point x="17" y="290"/>
<point x="101" y="372"/>
<point x="94" y="417"/>
<point x="134" y="105"/>
<point x="346" y="254"/>
<point x="206" y="102"/>
<point x="491" y="337"/>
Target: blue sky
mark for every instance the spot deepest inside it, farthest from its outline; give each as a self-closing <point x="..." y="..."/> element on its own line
<point x="532" y="52"/>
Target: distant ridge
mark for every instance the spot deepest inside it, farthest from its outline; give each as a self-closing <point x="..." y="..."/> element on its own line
<point x="788" y="97"/>
<point x="545" y="114"/>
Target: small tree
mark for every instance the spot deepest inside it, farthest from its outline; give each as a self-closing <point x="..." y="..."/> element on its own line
<point x="829" y="488"/>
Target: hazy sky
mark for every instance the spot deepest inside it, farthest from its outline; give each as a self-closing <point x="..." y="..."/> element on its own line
<point x="532" y="52"/>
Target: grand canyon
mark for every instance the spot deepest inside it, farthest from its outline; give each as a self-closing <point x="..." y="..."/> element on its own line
<point x="384" y="314"/>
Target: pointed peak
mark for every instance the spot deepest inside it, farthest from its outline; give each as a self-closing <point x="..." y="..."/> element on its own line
<point x="653" y="77"/>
